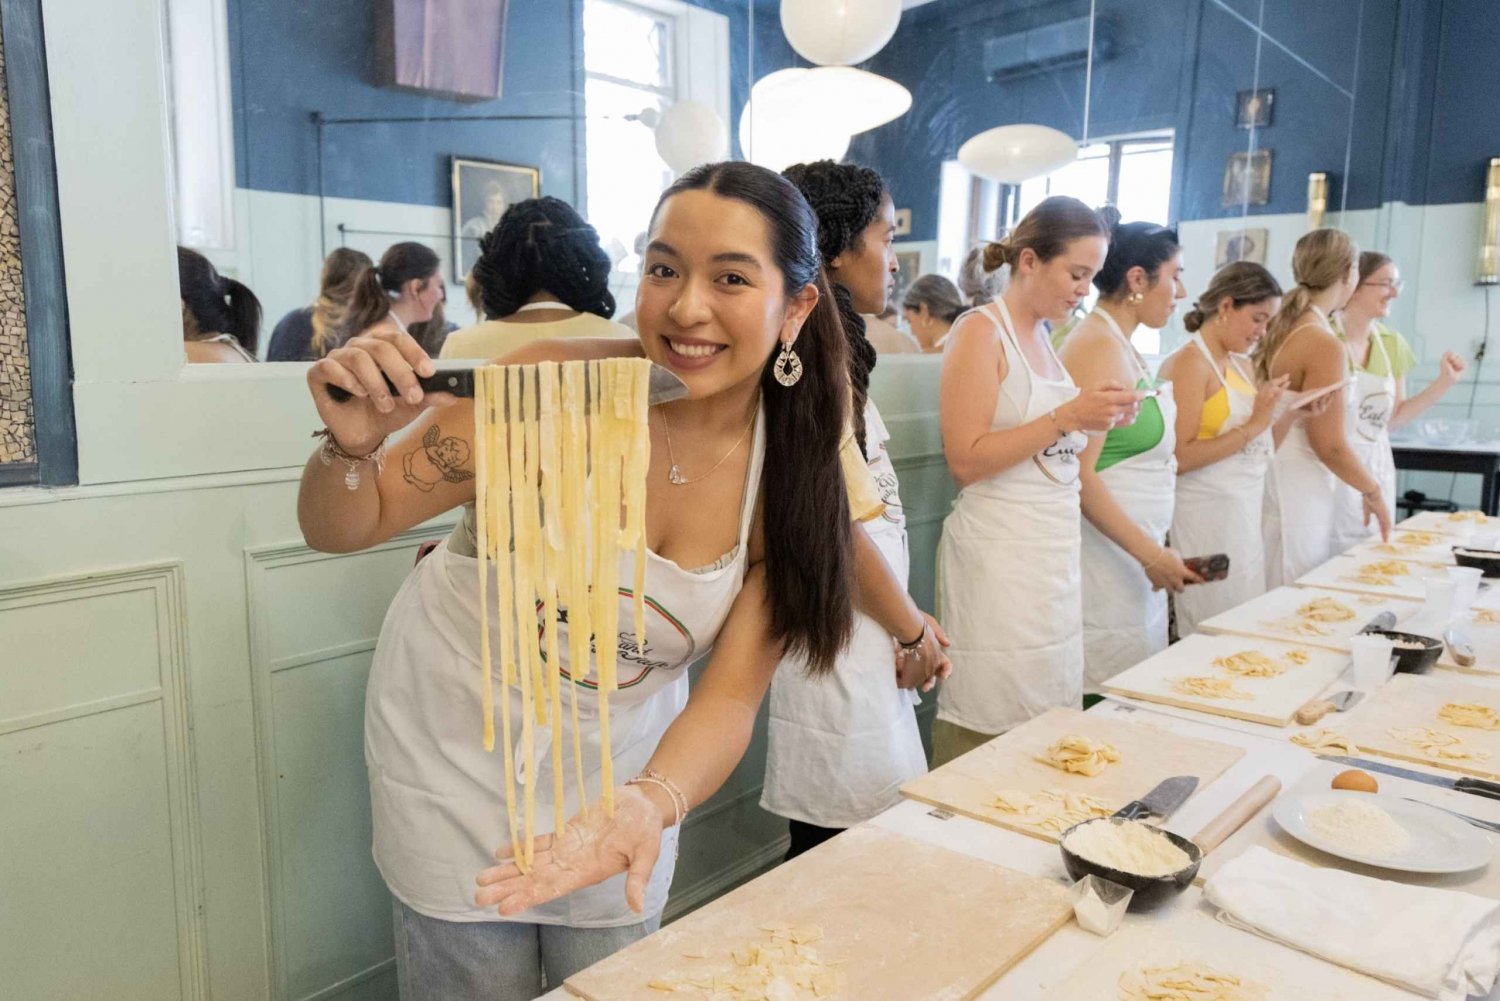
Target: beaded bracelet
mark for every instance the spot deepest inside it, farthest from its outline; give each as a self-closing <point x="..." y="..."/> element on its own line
<point x="679" y="801"/>
<point x="333" y="450"/>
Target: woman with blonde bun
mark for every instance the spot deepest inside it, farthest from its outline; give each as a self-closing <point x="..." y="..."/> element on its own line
<point x="1224" y="438"/>
<point x="1013" y="423"/>
<point x="1315" y="456"/>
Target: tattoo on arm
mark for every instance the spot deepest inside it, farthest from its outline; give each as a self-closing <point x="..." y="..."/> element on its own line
<point x="437" y="460"/>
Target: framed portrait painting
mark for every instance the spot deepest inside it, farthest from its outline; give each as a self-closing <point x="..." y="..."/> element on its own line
<point x="482" y="191"/>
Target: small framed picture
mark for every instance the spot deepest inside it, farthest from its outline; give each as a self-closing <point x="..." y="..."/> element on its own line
<point x="482" y="191"/>
<point x="1247" y="178"/>
<point x="908" y="270"/>
<point x="903" y="222"/>
<point x="1240" y="245"/>
<point x="1252" y="108"/>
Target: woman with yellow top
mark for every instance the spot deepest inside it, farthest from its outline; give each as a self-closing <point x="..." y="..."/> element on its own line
<point x="540" y="275"/>
<point x="1223" y="438"/>
<point x="1379" y="359"/>
<point x="1129" y="475"/>
<point x="1298" y="518"/>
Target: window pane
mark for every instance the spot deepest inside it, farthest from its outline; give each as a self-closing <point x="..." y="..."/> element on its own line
<point x="626" y="42"/>
<point x="1086" y="178"/>
<point x="625" y="174"/>
<point x="1146" y="181"/>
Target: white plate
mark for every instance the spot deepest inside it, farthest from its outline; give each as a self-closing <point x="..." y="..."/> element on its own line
<point x="1440" y="842"/>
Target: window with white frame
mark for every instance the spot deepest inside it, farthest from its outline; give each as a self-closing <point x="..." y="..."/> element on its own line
<point x="640" y="57"/>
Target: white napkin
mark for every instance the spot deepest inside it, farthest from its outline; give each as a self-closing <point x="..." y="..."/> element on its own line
<point x="1444" y="944"/>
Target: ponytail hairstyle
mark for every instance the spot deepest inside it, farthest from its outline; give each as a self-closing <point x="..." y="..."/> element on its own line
<point x="1322" y="259"/>
<point x="1370" y="262"/>
<point x="938" y="294"/>
<point x="804" y="503"/>
<point x="1243" y="283"/>
<point x="375" y="287"/>
<point x="1046" y="231"/>
<point x="542" y="245"/>
<point x="976" y="284"/>
<point x="216" y="305"/>
<point x="845" y="198"/>
<point x="1143" y="245"/>
<point x="335" y="289"/>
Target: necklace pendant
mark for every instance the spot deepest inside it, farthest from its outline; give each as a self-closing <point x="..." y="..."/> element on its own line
<point x="675" y="475"/>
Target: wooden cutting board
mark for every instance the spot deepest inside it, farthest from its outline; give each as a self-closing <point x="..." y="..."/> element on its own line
<point x="1148" y="754"/>
<point x="1408" y="701"/>
<point x="1273" y="615"/>
<point x="1439" y="521"/>
<point x="1341" y="574"/>
<point x="1263" y="831"/>
<point x="902" y="920"/>
<point x="1192" y="934"/>
<point x="1272" y="700"/>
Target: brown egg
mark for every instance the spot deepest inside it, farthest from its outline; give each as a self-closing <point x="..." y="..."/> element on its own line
<point x="1356" y="781"/>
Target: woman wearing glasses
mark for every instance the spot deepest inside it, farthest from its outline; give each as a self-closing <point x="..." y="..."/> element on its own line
<point x="1379" y="360"/>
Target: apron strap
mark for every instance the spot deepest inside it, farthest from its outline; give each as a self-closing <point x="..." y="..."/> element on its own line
<point x="1197" y="339"/>
<point x="1142" y="373"/>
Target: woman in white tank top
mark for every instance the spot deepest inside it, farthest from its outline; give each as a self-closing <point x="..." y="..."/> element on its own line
<point x="1013" y="424"/>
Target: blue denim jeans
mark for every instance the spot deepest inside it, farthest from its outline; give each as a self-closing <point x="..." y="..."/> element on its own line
<point x="497" y="960"/>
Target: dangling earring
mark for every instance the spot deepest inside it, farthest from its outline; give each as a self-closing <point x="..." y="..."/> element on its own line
<point x="788" y="367"/>
<point x="1135" y="299"/>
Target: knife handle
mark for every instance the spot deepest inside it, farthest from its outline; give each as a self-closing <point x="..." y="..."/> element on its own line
<point x="1134" y="810"/>
<point x="1478" y="787"/>
<point x="1313" y="711"/>
<point x="458" y="381"/>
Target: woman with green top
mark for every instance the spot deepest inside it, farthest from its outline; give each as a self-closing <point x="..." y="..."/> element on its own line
<point x="1379" y="360"/>
<point x="1129" y="475"/>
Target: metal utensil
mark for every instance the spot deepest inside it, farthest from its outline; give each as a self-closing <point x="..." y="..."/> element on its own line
<point x="1316" y="709"/>
<point x="1459" y="647"/>
<point x="1385" y="620"/>
<point x="665" y="385"/>
<point x="1162" y="801"/>
<point x="1485" y="824"/>
<point x="1468" y="784"/>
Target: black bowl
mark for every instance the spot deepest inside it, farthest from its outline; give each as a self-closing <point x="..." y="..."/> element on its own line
<point x="1483" y="560"/>
<point x="1413" y="661"/>
<point x="1150" y="891"/>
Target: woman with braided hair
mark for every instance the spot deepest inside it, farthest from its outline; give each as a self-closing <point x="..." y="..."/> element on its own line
<point x="841" y="746"/>
<point x="541" y="274"/>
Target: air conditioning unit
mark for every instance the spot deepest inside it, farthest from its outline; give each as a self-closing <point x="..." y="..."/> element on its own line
<point x="1060" y="45"/>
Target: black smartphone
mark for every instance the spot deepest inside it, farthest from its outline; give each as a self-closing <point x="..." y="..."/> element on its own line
<point x="1215" y="567"/>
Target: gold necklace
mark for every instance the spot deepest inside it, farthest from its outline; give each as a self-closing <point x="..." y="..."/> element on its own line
<point x="674" y="474"/>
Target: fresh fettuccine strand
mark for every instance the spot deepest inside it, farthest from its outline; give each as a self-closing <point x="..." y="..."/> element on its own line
<point x="524" y="590"/>
<point x="551" y="552"/>
<point x="574" y="504"/>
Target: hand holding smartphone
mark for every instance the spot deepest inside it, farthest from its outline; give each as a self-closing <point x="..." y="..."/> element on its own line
<point x="1215" y="567"/>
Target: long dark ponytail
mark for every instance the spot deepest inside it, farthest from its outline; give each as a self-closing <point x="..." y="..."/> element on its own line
<point x="218" y="305"/>
<point x="804" y="503"/>
<point x="845" y="197"/>
<point x="370" y="301"/>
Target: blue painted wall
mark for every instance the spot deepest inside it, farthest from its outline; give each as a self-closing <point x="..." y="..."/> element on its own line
<point x="290" y="58"/>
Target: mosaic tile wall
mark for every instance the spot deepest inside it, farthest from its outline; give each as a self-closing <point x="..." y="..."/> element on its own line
<point x="17" y="442"/>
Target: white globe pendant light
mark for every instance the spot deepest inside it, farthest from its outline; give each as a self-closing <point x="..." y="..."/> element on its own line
<point x="778" y="128"/>
<point x="690" y="133"/>
<point x="839" y="32"/>
<point x="1011" y="154"/>
<point x="857" y="100"/>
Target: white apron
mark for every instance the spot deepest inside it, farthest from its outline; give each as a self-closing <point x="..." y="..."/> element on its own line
<point x="840" y="746"/>
<point x="437" y="807"/>
<point x="1372" y="403"/>
<point x="1219" y="511"/>
<point x="1297" y="518"/>
<point x="1124" y="620"/>
<point x="1008" y="577"/>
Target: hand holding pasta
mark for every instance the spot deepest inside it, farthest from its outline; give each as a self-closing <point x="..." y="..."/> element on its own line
<point x="594" y="846"/>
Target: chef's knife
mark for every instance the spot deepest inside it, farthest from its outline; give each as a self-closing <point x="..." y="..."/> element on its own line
<point x="1385" y="620"/>
<point x="1162" y="801"/>
<point x="1338" y="702"/>
<point x="665" y="386"/>
<point x="1468" y="784"/>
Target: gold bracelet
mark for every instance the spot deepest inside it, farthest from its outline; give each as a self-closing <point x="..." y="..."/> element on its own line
<point x="1052" y="415"/>
<point x="679" y="801"/>
<point x="1160" y="552"/>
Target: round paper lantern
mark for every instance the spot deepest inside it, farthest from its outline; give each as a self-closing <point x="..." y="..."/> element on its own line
<point x="691" y="133"/>
<point x="839" y="32"/>
<point x="778" y="128"/>
<point x="857" y="100"/>
<point x="1011" y="154"/>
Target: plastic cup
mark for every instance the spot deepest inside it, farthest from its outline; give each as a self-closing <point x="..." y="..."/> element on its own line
<point x="1484" y="540"/>
<point x="1374" y="661"/>
<point x="1437" y="609"/>
<point x="1466" y="586"/>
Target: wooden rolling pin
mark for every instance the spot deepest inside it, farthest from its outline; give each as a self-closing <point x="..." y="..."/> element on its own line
<point x="1234" y="816"/>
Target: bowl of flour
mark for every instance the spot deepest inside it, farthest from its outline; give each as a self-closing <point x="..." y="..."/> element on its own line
<point x="1156" y="864"/>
